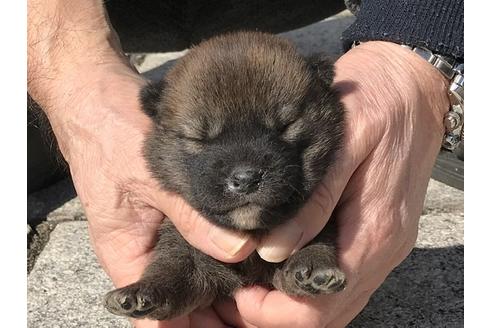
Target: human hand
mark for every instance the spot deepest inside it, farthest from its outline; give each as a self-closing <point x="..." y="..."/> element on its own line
<point x="395" y="104"/>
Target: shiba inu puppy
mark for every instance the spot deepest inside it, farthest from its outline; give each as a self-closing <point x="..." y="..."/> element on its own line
<point x="244" y="129"/>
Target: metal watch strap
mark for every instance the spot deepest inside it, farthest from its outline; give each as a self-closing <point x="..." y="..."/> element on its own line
<point x="454" y="119"/>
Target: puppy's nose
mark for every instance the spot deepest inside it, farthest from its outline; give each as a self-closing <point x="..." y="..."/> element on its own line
<point x="244" y="180"/>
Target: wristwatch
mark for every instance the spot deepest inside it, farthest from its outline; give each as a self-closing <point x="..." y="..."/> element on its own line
<point x="454" y="72"/>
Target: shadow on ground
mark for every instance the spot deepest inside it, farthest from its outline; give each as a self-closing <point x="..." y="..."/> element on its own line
<point x="45" y="201"/>
<point x="39" y="205"/>
<point x="426" y="290"/>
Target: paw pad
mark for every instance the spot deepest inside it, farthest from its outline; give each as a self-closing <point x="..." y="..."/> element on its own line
<point x="320" y="280"/>
<point x="131" y="301"/>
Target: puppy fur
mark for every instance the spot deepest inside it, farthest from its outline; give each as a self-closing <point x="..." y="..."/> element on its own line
<point x="244" y="129"/>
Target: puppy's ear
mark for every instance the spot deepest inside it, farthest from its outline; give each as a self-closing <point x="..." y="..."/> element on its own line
<point x="151" y="97"/>
<point x="321" y="67"/>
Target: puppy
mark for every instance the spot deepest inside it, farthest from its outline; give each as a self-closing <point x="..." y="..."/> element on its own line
<point x="244" y="129"/>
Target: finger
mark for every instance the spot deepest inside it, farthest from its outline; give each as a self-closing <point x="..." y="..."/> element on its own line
<point x="228" y="312"/>
<point x="263" y="308"/>
<point x="181" y="322"/>
<point x="206" y="318"/>
<point x="222" y="244"/>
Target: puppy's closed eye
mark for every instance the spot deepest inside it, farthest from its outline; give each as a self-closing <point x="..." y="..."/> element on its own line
<point x="284" y="117"/>
<point x="192" y="144"/>
<point x="294" y="131"/>
<point x="201" y="130"/>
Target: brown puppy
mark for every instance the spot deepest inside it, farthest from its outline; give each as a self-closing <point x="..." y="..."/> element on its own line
<point x="245" y="128"/>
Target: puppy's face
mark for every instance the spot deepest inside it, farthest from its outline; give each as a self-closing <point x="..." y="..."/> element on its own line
<point x="244" y="129"/>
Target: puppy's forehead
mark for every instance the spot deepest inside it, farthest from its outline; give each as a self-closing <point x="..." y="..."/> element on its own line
<point x="219" y="81"/>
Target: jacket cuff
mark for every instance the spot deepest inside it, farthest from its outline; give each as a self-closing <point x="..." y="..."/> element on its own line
<point x="436" y="24"/>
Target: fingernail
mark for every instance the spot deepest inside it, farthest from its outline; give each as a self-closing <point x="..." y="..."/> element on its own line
<point x="280" y="244"/>
<point x="227" y="241"/>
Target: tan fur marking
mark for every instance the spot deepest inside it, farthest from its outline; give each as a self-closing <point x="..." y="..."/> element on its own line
<point x="246" y="217"/>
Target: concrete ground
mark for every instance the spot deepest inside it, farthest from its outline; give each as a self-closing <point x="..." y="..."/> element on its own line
<point x="66" y="284"/>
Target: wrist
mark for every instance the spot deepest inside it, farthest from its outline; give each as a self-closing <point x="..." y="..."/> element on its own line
<point x="69" y="42"/>
<point x="78" y="73"/>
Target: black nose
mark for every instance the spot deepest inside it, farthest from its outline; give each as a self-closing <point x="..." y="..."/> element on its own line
<point x="244" y="180"/>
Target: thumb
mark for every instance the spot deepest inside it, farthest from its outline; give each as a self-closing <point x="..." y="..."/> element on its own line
<point x="222" y="244"/>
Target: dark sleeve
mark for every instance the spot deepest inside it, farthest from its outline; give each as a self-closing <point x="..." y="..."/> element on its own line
<point x="433" y="24"/>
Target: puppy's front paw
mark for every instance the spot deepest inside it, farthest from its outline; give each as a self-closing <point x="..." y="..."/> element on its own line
<point x="137" y="300"/>
<point x="311" y="271"/>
